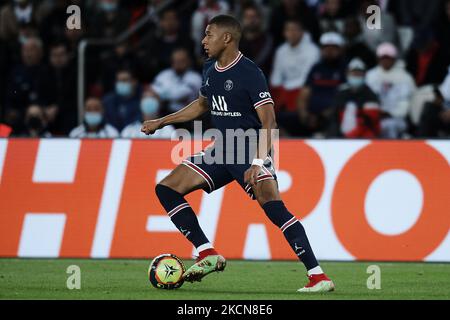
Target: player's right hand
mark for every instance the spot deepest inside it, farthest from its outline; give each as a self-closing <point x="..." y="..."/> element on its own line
<point x="150" y="126"/>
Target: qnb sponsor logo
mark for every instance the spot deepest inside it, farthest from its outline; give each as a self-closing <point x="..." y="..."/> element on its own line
<point x="219" y="103"/>
<point x="264" y="95"/>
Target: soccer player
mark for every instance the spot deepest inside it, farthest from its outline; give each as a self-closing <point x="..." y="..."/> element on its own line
<point x="235" y="92"/>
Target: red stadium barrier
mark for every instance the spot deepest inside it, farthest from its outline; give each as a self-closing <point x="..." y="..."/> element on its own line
<point x="358" y="200"/>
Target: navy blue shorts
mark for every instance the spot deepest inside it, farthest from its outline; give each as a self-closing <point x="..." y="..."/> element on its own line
<point x="218" y="175"/>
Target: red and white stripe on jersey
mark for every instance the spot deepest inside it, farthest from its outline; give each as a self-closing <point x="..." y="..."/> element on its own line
<point x="201" y="172"/>
<point x="231" y="65"/>
<point x="263" y="102"/>
<point x="177" y="209"/>
<point x="288" y="224"/>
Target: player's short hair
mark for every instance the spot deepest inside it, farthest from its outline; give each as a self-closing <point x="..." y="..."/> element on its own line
<point x="230" y="23"/>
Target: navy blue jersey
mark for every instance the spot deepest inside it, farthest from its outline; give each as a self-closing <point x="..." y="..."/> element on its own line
<point x="234" y="93"/>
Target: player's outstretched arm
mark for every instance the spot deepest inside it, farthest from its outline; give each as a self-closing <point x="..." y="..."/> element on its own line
<point x="191" y="112"/>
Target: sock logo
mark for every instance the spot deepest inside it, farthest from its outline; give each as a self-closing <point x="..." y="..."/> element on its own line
<point x="185" y="232"/>
<point x="298" y="250"/>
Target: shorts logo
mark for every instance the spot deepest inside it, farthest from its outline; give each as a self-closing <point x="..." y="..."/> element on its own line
<point x="263" y="95"/>
<point x="228" y="85"/>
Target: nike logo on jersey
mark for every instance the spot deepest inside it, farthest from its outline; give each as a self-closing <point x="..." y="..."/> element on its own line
<point x="219" y="103"/>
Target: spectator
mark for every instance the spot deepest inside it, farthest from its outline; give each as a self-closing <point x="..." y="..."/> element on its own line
<point x="94" y="124"/>
<point x="207" y="9"/>
<point x="119" y="57"/>
<point x="442" y="28"/>
<point x="293" y="9"/>
<point x="14" y="47"/>
<point x="374" y="37"/>
<point x="154" y="56"/>
<point x="256" y="44"/>
<point x="435" y="119"/>
<point x="122" y="105"/>
<point x="177" y="85"/>
<point x="150" y="110"/>
<point x="356" y="108"/>
<point x="292" y="64"/>
<point x="35" y="123"/>
<point x="239" y="6"/>
<point x="25" y="82"/>
<point x="108" y="21"/>
<point x="417" y="13"/>
<point x="426" y="60"/>
<point x="52" y="27"/>
<point x="59" y="91"/>
<point x="394" y="87"/>
<point x="331" y="17"/>
<point x="20" y="12"/>
<point x="316" y="99"/>
<point x="355" y="46"/>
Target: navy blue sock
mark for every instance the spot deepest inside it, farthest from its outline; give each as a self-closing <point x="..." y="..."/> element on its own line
<point x="181" y="214"/>
<point x="293" y="232"/>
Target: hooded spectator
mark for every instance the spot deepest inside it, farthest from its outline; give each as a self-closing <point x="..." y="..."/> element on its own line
<point x="394" y="87"/>
<point x="292" y="63"/>
<point x="179" y="84"/>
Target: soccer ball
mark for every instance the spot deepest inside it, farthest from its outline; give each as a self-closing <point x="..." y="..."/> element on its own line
<point x="165" y="272"/>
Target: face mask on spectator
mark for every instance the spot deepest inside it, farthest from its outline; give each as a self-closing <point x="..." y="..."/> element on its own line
<point x="108" y="6"/>
<point x="123" y="88"/>
<point x="23" y="39"/>
<point x="93" y="118"/>
<point x="149" y="105"/>
<point x="355" y="82"/>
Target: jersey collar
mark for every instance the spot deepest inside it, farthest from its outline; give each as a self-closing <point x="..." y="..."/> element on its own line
<point x="231" y="65"/>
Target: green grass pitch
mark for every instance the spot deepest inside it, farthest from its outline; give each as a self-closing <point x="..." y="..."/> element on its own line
<point x="127" y="279"/>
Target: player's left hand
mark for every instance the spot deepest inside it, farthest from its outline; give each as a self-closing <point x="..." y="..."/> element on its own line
<point x="251" y="175"/>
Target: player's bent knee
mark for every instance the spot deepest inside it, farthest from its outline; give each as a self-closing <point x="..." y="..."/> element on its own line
<point x="159" y="190"/>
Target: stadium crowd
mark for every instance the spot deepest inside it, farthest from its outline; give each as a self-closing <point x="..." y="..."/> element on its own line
<point x="330" y="75"/>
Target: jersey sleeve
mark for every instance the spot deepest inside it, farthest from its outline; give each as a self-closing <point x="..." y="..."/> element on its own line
<point x="258" y="89"/>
